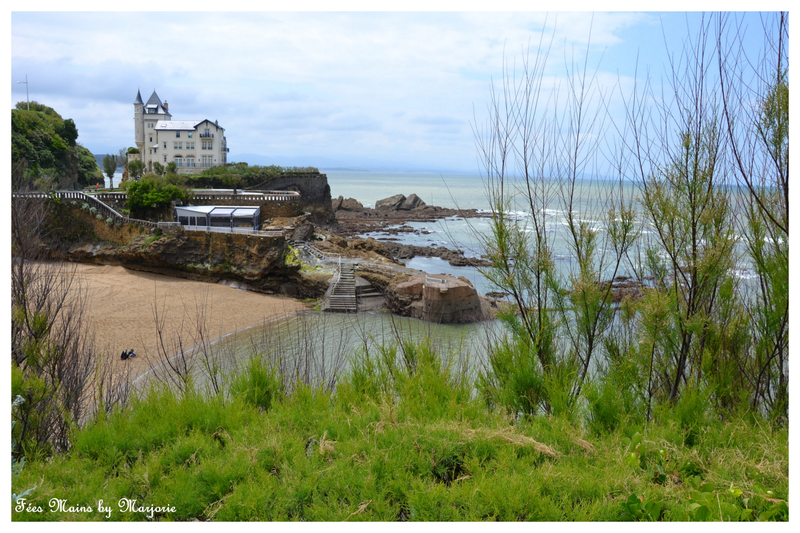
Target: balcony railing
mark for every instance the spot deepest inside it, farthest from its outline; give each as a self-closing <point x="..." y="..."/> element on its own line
<point x="206" y="135"/>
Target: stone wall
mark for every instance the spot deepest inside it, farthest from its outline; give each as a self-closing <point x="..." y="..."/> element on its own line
<point x="315" y="194"/>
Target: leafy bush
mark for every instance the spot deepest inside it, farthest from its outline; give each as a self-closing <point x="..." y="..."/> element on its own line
<point x="153" y="191"/>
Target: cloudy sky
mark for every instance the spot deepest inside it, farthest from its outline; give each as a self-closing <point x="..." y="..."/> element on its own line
<point x="370" y="90"/>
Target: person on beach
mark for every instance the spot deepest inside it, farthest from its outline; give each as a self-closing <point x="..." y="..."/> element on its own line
<point x="131" y="353"/>
<point x="124" y="355"/>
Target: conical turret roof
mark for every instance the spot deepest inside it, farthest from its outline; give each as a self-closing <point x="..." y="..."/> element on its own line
<point x="154" y="100"/>
<point x="138" y="98"/>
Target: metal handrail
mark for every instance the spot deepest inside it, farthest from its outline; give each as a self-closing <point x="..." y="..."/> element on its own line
<point x="78" y="195"/>
<point x="226" y="229"/>
<point x="431" y="281"/>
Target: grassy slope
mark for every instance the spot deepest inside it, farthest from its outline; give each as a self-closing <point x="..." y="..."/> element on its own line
<point x="395" y="445"/>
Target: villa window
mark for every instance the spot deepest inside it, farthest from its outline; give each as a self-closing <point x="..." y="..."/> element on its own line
<point x="190" y="134"/>
<point x="178" y="161"/>
<point x="165" y="145"/>
<point x="165" y="158"/>
<point x="190" y="162"/>
<point x="177" y="135"/>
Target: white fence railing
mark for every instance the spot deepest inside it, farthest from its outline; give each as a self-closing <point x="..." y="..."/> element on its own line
<point x="249" y="197"/>
<point x="101" y="207"/>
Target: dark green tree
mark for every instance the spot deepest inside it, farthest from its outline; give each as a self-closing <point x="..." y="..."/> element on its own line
<point x="135" y="169"/>
<point x="48" y="146"/>
<point x="110" y="166"/>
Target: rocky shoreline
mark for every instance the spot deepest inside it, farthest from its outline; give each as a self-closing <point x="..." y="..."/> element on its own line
<point x="391" y="215"/>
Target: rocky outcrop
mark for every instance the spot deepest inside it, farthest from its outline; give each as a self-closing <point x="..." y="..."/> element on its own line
<point x="399" y="202"/>
<point x="454" y="257"/>
<point x="412" y="202"/>
<point x="390" y="203"/>
<point x="368" y="249"/>
<point x="255" y="260"/>
<point x="315" y="194"/>
<point x="443" y="299"/>
<point x="623" y="288"/>
<point x="347" y="204"/>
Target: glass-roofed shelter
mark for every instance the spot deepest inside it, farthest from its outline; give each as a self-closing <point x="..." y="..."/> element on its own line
<point x="218" y="216"/>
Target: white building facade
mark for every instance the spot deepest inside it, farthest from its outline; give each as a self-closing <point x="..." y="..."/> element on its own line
<point x="193" y="145"/>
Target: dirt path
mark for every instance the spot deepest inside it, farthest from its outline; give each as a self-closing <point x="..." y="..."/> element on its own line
<point x="123" y="306"/>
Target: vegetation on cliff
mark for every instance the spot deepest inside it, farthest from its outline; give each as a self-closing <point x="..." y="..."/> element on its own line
<point x="45" y="146"/>
<point x="243" y="176"/>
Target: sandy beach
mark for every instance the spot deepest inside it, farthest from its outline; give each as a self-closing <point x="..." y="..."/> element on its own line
<point x="123" y="307"/>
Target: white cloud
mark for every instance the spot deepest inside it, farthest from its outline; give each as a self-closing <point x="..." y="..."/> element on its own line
<point x="326" y="84"/>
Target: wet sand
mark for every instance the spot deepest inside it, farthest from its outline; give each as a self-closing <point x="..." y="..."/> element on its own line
<point x="124" y="307"/>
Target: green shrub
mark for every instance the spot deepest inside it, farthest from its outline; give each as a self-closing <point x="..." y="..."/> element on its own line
<point x="259" y="385"/>
<point x="153" y="191"/>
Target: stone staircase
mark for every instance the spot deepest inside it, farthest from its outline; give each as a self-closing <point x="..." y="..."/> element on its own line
<point x="342" y="297"/>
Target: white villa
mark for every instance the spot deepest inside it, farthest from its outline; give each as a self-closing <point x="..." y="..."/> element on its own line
<point x="190" y="144"/>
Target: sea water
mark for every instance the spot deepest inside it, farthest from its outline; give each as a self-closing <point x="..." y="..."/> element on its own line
<point x="321" y="345"/>
<point x="321" y="337"/>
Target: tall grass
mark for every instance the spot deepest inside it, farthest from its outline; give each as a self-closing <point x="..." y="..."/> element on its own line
<point x="404" y="436"/>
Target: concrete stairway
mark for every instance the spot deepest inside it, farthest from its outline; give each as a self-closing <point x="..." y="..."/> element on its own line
<point x="343" y="293"/>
